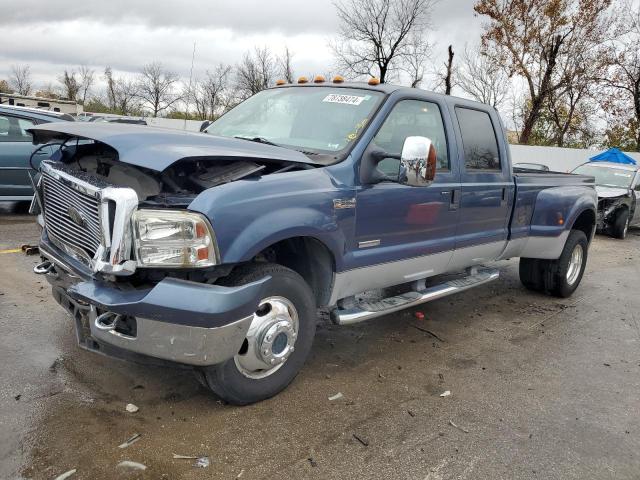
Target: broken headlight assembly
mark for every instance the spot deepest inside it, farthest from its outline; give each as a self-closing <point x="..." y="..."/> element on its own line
<point x="173" y="238"/>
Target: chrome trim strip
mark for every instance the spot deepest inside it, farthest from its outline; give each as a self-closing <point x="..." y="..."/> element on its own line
<point x="369" y="243"/>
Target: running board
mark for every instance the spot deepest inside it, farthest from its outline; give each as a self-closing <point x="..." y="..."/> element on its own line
<point x="367" y="310"/>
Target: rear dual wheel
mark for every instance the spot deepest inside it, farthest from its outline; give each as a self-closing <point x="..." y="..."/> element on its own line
<point x="558" y="277"/>
<point x="277" y="343"/>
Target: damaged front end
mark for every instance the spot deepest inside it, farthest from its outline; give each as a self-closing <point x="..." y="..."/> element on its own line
<point x="610" y="203"/>
<point x="136" y="269"/>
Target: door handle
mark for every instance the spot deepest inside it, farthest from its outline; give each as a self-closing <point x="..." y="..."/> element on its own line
<point x="503" y="201"/>
<point x="454" y="200"/>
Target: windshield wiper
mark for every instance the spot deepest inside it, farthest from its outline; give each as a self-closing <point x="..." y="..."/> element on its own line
<point x="259" y="140"/>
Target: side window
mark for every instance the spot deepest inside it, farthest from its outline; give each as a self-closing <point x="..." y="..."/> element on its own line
<point x="479" y="140"/>
<point x="407" y="119"/>
<point x="14" y="129"/>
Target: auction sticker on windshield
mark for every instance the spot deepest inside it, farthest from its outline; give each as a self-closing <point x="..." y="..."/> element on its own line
<point x="347" y="99"/>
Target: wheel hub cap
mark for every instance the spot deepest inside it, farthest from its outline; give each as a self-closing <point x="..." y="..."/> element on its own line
<point x="270" y="339"/>
<point x="575" y="265"/>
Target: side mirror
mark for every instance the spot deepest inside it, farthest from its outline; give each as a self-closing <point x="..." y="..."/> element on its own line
<point x="417" y="162"/>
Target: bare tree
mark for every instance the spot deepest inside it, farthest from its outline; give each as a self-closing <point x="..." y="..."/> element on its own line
<point x="448" y="73"/>
<point x="156" y="87"/>
<point x="87" y="78"/>
<point x="70" y="85"/>
<point x="20" y="79"/>
<point x="211" y="95"/>
<point x="284" y="64"/>
<point x="375" y="36"/>
<point x="122" y="94"/>
<point x="256" y="71"/>
<point x="482" y="79"/>
<point x="537" y="41"/>
<point x="415" y="64"/>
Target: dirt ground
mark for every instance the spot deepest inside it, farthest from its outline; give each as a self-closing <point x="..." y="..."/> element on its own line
<point x="541" y="388"/>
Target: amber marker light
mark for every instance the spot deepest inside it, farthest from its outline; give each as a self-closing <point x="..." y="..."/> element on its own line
<point x="318" y="79"/>
<point x="374" y="81"/>
<point x="281" y="82"/>
<point x="303" y="80"/>
<point x="338" y="79"/>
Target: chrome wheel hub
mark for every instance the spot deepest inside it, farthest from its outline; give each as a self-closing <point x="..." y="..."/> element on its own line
<point x="575" y="264"/>
<point x="270" y="339"/>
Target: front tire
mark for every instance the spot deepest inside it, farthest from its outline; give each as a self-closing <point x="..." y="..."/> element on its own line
<point x="277" y="344"/>
<point x="620" y="225"/>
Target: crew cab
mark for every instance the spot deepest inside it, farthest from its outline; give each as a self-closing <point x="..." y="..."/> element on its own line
<point x="217" y="250"/>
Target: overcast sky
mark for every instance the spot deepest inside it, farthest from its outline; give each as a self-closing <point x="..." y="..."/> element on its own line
<point x="51" y="35"/>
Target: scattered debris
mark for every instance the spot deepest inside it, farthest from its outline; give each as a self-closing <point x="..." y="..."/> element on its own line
<point x="138" y="387"/>
<point x="337" y="396"/>
<point x="607" y="364"/>
<point x="419" y="315"/>
<point x="53" y="368"/>
<point x="202" y="462"/>
<point x="312" y="462"/>
<point x="131" y="408"/>
<point x="65" y="475"/>
<point x="30" y="249"/>
<point x="362" y="440"/>
<point x="132" y="465"/>
<point x="441" y="377"/>
<point x="429" y="332"/>
<point x="411" y="414"/>
<point x="17" y="397"/>
<point x="131" y="441"/>
<point x="446" y="393"/>
<point x="240" y="474"/>
<point x="456" y="426"/>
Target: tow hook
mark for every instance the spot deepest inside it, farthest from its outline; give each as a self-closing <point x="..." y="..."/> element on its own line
<point x="43" y="268"/>
<point x="106" y="321"/>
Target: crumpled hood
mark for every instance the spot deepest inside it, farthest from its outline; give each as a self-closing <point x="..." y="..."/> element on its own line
<point x="158" y="148"/>
<point x="611" y="192"/>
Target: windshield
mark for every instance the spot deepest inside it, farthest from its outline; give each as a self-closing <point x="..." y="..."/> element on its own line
<point x="315" y="120"/>
<point x="607" y="176"/>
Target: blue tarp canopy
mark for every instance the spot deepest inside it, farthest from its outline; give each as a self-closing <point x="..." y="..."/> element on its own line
<point x="613" y="155"/>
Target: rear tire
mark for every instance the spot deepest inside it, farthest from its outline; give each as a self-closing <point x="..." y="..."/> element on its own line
<point x="558" y="277"/>
<point x="239" y="381"/>
<point x="530" y="273"/>
<point x="621" y="224"/>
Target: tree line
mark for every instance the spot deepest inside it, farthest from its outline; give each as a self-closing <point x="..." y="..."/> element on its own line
<point x="561" y="72"/>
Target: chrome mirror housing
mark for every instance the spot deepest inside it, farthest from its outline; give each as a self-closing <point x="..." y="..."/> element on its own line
<point x="417" y="162"/>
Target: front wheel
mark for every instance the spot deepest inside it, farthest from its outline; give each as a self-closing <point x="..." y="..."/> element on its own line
<point x="277" y="343"/>
<point x="620" y="225"/>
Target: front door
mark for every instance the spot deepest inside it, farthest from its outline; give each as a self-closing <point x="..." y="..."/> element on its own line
<point x="407" y="233"/>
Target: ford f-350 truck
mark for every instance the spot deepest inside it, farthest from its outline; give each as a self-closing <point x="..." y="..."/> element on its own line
<point x="217" y="250"/>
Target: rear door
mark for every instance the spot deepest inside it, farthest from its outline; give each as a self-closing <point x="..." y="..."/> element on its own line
<point x="15" y="150"/>
<point x="486" y="188"/>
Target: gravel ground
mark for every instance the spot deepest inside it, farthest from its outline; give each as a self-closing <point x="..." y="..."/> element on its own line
<point x="540" y="388"/>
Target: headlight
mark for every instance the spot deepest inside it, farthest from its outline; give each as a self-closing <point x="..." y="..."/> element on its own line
<point x="173" y="238"/>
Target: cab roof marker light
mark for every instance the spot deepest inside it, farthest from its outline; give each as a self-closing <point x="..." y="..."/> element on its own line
<point x="318" y="79"/>
<point x="281" y="82"/>
<point x="303" y="80"/>
<point x="374" y="81"/>
<point x="338" y="79"/>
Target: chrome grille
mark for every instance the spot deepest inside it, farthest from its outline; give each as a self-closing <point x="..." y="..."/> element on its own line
<point x="71" y="217"/>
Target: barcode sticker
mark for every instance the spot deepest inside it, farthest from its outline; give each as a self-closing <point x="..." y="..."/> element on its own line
<point x="346" y="99"/>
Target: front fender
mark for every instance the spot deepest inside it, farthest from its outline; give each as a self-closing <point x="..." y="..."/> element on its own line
<point x="283" y="224"/>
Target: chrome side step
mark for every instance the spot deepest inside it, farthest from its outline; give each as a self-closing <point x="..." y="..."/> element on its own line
<point x="368" y="310"/>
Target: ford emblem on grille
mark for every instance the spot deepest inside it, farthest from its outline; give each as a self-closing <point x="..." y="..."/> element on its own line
<point x="76" y="216"/>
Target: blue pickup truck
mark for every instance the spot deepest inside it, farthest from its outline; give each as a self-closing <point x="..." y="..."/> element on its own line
<point x="218" y="250"/>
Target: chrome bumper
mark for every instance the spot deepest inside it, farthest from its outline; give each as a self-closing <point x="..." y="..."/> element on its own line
<point x="176" y="320"/>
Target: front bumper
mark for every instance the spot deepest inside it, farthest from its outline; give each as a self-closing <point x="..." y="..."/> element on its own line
<point x="176" y="320"/>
